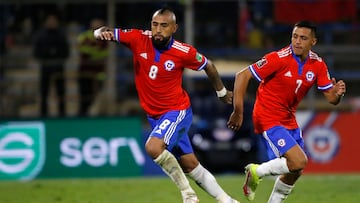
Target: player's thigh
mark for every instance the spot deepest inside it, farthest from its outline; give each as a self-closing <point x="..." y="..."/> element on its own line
<point x="279" y="140"/>
<point x="296" y="158"/>
<point x="172" y="129"/>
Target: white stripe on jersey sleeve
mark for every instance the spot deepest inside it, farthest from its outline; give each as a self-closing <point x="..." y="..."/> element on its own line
<point x="204" y="64"/>
<point x="326" y="87"/>
<point x="177" y="45"/>
<point x="116" y="34"/>
<point x="253" y="72"/>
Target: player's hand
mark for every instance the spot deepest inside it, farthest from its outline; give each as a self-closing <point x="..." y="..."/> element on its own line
<point x="340" y="87"/>
<point x="235" y="121"/>
<point x="227" y="99"/>
<point x="104" y="34"/>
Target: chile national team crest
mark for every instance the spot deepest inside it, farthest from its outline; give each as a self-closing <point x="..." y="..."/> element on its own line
<point x="322" y="144"/>
<point x="310" y="76"/>
<point x="169" y="65"/>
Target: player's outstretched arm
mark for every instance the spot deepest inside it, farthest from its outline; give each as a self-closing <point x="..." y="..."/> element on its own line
<point x="335" y="94"/>
<point x="104" y="33"/>
<point x="242" y="79"/>
<point x="214" y="77"/>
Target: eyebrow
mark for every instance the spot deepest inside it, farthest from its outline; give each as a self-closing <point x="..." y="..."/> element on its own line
<point x="161" y="23"/>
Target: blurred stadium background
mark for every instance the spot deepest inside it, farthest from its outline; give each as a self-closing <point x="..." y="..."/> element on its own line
<point x="109" y="141"/>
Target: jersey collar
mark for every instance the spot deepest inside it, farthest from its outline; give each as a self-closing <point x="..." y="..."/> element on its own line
<point x="167" y="47"/>
<point x="298" y="60"/>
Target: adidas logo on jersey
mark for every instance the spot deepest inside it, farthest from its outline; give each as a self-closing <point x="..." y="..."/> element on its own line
<point x="288" y="74"/>
<point x="144" y="55"/>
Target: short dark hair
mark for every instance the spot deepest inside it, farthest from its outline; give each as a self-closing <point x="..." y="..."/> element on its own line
<point x="166" y="9"/>
<point x="307" y="24"/>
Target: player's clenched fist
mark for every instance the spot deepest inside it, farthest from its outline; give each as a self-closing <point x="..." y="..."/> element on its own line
<point x="104" y="33"/>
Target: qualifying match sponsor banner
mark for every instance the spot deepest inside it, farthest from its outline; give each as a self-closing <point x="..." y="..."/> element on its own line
<point x="72" y="147"/>
<point x="94" y="147"/>
<point x="22" y="150"/>
<point x="331" y="141"/>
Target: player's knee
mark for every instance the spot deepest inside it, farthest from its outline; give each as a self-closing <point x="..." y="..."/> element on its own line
<point x="187" y="168"/>
<point x="154" y="147"/>
<point x="152" y="150"/>
<point x="297" y="165"/>
<point x="188" y="162"/>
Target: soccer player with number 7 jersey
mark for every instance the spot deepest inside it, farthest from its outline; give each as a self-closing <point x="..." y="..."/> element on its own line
<point x="285" y="76"/>
<point x="159" y="62"/>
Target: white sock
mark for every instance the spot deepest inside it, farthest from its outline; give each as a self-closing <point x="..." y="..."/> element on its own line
<point x="171" y="167"/>
<point x="276" y="166"/>
<point x="280" y="192"/>
<point x="208" y="183"/>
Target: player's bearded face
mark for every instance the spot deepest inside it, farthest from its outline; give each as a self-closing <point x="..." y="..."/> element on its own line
<point x="160" y="42"/>
<point x="163" y="26"/>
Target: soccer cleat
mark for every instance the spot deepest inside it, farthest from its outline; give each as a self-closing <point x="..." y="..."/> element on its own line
<point x="252" y="180"/>
<point x="191" y="199"/>
<point x="234" y="201"/>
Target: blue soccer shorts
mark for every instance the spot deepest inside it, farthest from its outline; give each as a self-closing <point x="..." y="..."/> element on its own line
<point x="278" y="140"/>
<point x="173" y="128"/>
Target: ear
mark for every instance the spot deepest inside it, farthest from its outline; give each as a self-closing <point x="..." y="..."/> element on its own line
<point x="175" y="28"/>
<point x="314" y="41"/>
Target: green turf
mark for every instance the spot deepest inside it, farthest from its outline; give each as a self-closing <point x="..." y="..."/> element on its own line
<point x="310" y="188"/>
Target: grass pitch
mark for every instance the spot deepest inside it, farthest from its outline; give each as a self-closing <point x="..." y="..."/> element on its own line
<point x="310" y="188"/>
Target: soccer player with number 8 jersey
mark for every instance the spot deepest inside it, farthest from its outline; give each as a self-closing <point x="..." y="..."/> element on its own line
<point x="159" y="62"/>
<point x="285" y="76"/>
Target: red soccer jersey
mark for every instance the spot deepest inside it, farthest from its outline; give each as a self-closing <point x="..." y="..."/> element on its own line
<point x="158" y="74"/>
<point x="284" y="81"/>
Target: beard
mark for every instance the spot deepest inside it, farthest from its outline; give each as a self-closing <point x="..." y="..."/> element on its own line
<point x="160" y="44"/>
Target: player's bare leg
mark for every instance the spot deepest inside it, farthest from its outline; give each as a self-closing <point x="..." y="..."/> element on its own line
<point x="204" y="178"/>
<point x="291" y="164"/>
<point x="155" y="147"/>
<point x="296" y="161"/>
<point x="282" y="187"/>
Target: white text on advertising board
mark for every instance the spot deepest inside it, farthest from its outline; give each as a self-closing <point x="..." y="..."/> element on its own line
<point x="97" y="151"/>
